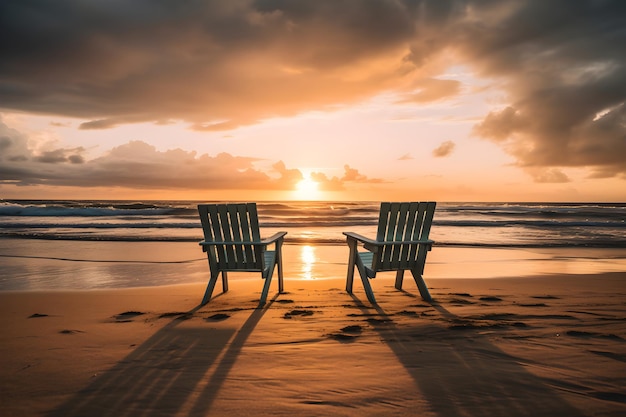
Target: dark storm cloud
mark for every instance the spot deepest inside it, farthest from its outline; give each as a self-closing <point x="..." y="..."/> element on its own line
<point x="565" y="66"/>
<point x="222" y="64"/>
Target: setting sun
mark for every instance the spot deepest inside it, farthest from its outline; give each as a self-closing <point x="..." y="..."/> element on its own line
<point x="307" y="189"/>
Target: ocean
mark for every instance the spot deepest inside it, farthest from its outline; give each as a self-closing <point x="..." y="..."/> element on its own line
<point x="600" y="225"/>
<point x="83" y="245"/>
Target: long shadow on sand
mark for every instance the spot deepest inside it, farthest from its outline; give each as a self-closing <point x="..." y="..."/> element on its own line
<point x="460" y="373"/>
<point x="167" y="374"/>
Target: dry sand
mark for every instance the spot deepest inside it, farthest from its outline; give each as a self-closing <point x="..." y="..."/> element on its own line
<point x="542" y="346"/>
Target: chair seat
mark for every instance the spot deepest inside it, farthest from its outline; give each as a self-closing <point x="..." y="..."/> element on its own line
<point x="268" y="256"/>
<point x="368" y="258"/>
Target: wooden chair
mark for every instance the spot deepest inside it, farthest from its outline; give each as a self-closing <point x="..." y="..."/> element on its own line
<point x="232" y="242"/>
<point x="401" y="244"/>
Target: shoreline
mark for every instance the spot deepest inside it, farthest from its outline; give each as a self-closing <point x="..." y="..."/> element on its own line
<point x="66" y="265"/>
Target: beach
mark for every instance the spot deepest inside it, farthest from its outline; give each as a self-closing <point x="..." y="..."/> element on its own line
<point x="527" y="341"/>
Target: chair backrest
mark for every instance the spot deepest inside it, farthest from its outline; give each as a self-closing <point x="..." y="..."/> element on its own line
<point x="403" y="222"/>
<point x="234" y="225"/>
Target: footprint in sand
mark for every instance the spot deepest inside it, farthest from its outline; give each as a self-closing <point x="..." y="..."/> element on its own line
<point x="460" y="301"/>
<point x="70" y="331"/>
<point x="378" y="322"/>
<point x="127" y="316"/>
<point x="352" y="329"/>
<point x="490" y="298"/>
<point x="347" y="334"/>
<point x="298" y="313"/>
<point x="408" y="313"/>
<point x="218" y="317"/>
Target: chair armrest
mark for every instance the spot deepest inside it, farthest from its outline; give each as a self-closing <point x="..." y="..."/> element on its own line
<point x="373" y="242"/>
<point x="273" y="238"/>
<point x="361" y="238"/>
<point x="262" y="242"/>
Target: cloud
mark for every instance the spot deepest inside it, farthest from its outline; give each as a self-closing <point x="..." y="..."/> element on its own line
<point x="566" y="80"/>
<point x="220" y="65"/>
<point x="288" y="177"/>
<point x="98" y="124"/>
<point x="432" y="90"/>
<point x="217" y="65"/>
<point x="137" y="164"/>
<point x="61" y="155"/>
<point x="405" y="157"/>
<point x="351" y="176"/>
<point x="550" y="175"/>
<point x="443" y="150"/>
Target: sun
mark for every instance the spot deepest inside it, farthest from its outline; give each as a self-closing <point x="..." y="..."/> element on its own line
<point x="306" y="189"/>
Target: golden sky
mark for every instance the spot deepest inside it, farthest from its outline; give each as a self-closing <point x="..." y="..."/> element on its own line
<point x="341" y="99"/>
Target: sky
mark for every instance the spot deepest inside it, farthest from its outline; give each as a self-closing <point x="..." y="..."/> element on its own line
<point x="368" y="100"/>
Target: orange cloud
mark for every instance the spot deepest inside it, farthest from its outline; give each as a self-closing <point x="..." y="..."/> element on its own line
<point x="350" y="176"/>
<point x="138" y="164"/>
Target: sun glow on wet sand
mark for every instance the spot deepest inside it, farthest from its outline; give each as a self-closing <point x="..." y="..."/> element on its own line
<point x="308" y="258"/>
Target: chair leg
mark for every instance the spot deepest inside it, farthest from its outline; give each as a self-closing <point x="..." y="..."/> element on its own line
<point x="266" y="289"/>
<point x="224" y="281"/>
<point x="210" y="287"/>
<point x="268" y="281"/>
<point x="351" y="263"/>
<point x="365" y="279"/>
<point x="421" y="285"/>
<point x="279" y="262"/>
<point x="399" y="278"/>
<point x="368" y="289"/>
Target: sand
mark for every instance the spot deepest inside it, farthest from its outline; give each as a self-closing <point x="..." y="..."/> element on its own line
<point x="551" y="345"/>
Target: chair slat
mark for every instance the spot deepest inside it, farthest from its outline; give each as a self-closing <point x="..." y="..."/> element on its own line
<point x="204" y="220"/>
<point x="428" y="220"/>
<point x="383" y="221"/>
<point x="410" y="226"/>
<point x="215" y="224"/>
<point x="246" y="235"/>
<point x="396" y="251"/>
<point x="401" y="224"/>
<point x="393" y="220"/>
<point x="404" y="259"/>
<point x="254" y="222"/>
<point x="228" y="258"/>
<point x="235" y="230"/>
<point x="392" y="217"/>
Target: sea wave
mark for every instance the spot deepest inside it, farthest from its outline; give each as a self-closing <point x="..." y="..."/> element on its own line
<point x="468" y="224"/>
<point x="314" y="241"/>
